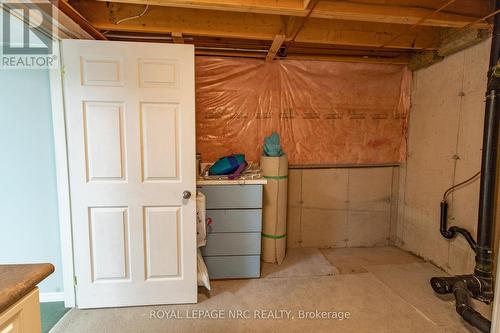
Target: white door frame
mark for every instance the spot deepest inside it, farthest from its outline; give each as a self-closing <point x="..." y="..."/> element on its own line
<point x="62" y="176"/>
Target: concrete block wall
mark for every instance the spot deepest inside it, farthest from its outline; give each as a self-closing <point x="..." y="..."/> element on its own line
<point x="342" y="207"/>
<point x="444" y="148"/>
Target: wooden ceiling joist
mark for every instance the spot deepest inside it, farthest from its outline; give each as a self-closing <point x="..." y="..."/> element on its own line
<point x="386" y="31"/>
<point x="189" y="21"/>
<point x="282" y="7"/>
<point x="177" y="37"/>
<point x="229" y="53"/>
<point x="248" y="26"/>
<point x="338" y="10"/>
<point x="352" y="33"/>
<point x="275" y="46"/>
<point x="77" y="17"/>
<point x="400" y="60"/>
<point x="342" y="10"/>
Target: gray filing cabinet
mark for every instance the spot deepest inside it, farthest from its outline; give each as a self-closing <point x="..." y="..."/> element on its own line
<point x="233" y="237"/>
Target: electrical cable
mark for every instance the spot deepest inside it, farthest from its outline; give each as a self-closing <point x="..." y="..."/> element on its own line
<point x="451" y="189"/>
<point x="133" y="17"/>
<point x="421" y="21"/>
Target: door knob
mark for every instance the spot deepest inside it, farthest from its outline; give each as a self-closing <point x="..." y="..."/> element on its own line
<point x="186" y="194"/>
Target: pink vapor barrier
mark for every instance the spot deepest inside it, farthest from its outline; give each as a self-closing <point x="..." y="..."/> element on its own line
<point x="325" y="112"/>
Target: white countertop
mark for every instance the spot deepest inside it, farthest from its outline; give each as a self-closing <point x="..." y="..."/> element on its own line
<point x="204" y="182"/>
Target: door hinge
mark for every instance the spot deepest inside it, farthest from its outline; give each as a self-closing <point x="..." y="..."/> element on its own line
<point x="75" y="280"/>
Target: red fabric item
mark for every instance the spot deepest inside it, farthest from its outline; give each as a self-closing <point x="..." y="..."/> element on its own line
<point x="325" y="112"/>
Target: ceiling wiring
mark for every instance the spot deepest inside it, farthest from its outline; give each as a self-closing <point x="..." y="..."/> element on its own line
<point x="453" y="188"/>
<point x="133" y="17"/>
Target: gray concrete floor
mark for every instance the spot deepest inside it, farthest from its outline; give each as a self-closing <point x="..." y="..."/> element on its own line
<point x="381" y="290"/>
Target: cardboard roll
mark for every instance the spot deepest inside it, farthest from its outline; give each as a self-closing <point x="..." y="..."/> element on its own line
<point x="275" y="170"/>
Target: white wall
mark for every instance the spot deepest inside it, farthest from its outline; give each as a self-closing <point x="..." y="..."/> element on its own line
<point x="29" y="227"/>
<point x="444" y="148"/>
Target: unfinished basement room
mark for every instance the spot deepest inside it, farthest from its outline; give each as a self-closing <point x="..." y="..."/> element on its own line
<point x="249" y="166"/>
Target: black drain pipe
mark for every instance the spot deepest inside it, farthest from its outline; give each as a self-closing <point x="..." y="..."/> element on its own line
<point x="487" y="196"/>
<point x="453" y="231"/>
<point x="479" y="285"/>
<point x="463" y="308"/>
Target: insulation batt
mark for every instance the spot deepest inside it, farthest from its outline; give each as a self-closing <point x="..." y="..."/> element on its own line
<point x="325" y="112"/>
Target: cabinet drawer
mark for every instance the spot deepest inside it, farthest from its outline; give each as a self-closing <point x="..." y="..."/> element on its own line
<point x="232" y="196"/>
<point x="23" y="315"/>
<point x="232" y="244"/>
<point x="233" y="267"/>
<point x="239" y="220"/>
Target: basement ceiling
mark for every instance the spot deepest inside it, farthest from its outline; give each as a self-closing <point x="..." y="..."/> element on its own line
<point x="418" y="32"/>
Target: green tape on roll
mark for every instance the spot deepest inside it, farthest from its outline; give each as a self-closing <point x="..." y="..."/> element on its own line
<point x="276" y="177"/>
<point x="273" y="236"/>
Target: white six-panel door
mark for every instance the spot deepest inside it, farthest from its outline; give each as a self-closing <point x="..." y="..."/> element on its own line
<point x="130" y="124"/>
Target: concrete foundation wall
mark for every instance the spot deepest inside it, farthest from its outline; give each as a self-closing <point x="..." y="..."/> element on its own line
<point x="342" y="207"/>
<point x="362" y="207"/>
<point x="444" y="148"/>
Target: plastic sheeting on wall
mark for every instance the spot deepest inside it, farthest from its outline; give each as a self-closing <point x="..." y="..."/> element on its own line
<point x="325" y="112"/>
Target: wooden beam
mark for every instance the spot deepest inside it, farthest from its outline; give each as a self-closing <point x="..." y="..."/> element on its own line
<point x="281" y="7"/>
<point x="342" y="10"/>
<point x="291" y="25"/>
<point x="197" y="22"/>
<point x="400" y="60"/>
<point x="55" y="23"/>
<point x="190" y="21"/>
<point x="177" y="37"/>
<point x="476" y="8"/>
<point x="321" y="49"/>
<point x="275" y="46"/>
<point x="338" y="10"/>
<point x="229" y="53"/>
<point x="67" y="9"/>
<point x="351" y="33"/>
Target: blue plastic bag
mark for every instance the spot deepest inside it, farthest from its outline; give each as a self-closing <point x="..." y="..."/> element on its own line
<point x="272" y="146"/>
<point x="227" y="165"/>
